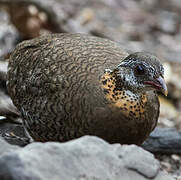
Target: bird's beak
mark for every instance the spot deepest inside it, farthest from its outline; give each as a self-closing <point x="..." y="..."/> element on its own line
<point x="163" y="88"/>
<point x="158" y="84"/>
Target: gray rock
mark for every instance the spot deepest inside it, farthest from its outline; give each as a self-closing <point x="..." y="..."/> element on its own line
<point x="13" y="132"/>
<point x="167" y="21"/>
<point x="7" y="108"/>
<point x="87" y="158"/>
<point x="8" y="34"/>
<point x="164" y="140"/>
<point x="5" y="147"/>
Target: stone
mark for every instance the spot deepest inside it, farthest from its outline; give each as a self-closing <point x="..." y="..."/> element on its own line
<point x="8" y="34"/>
<point x="13" y="132"/>
<point x="86" y="158"/>
<point x="6" y="147"/>
<point x="164" y="140"/>
<point x="167" y="21"/>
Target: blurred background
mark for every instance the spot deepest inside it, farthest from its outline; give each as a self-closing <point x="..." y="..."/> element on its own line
<point x="138" y="25"/>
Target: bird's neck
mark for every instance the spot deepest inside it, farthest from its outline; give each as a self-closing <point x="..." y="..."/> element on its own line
<point x="129" y="102"/>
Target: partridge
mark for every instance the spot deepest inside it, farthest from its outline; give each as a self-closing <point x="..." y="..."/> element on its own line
<point x="69" y="85"/>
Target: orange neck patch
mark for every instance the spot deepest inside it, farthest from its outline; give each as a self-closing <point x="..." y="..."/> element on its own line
<point x="132" y="105"/>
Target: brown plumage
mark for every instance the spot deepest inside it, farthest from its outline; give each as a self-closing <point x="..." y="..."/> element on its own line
<point x="70" y="85"/>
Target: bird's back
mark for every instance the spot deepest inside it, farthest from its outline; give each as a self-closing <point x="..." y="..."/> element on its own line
<point x="55" y="58"/>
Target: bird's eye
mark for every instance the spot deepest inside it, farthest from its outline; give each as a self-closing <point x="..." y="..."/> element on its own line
<point x="140" y="70"/>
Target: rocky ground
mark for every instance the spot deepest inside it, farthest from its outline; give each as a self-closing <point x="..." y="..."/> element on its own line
<point x="138" y="25"/>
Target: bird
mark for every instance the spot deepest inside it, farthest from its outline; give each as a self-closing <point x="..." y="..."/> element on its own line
<point x="68" y="85"/>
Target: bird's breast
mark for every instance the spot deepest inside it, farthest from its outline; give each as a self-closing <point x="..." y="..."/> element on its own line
<point x="130" y="104"/>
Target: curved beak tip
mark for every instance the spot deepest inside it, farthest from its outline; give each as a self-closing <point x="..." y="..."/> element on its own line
<point x="163" y="86"/>
<point x="165" y="92"/>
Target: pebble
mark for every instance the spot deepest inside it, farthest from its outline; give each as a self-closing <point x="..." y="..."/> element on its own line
<point x="166" y="166"/>
<point x="175" y="157"/>
<point x="2" y="117"/>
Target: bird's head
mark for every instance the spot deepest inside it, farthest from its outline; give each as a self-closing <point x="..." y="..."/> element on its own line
<point x="142" y="72"/>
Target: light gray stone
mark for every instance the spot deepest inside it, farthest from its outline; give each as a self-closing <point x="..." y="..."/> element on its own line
<point x="8" y="34"/>
<point x="5" y="147"/>
<point x="86" y="158"/>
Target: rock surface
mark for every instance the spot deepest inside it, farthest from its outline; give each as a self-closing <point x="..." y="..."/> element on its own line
<point x="164" y="140"/>
<point x="8" y="34"/>
<point x="87" y="158"/>
<point x="5" y="147"/>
